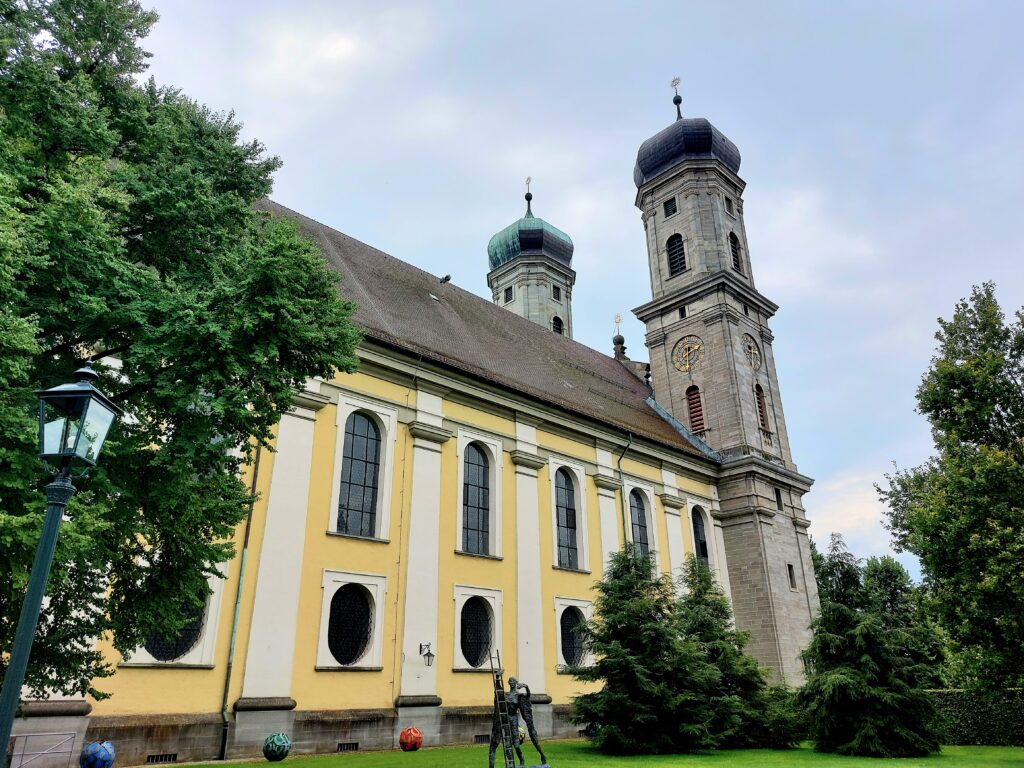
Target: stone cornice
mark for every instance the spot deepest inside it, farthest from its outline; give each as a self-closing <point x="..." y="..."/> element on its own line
<point x="707" y="285"/>
<point x="608" y="483"/>
<point x="314" y="401"/>
<point x="429" y="432"/>
<point x="524" y="459"/>
<point x="672" y="501"/>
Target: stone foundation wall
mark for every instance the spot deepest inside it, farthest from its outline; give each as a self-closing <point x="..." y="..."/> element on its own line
<point x="192" y="738"/>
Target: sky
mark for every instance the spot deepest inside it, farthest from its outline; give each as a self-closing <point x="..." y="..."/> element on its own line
<point x="881" y="141"/>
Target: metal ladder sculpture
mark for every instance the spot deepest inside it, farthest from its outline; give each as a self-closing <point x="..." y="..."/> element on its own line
<point x="501" y="712"/>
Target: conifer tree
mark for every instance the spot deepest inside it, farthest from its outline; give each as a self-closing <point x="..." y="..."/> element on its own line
<point x="864" y="693"/>
<point x="656" y="684"/>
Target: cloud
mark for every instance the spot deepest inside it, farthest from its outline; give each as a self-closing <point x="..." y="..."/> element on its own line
<point x="802" y="246"/>
<point x="848" y="504"/>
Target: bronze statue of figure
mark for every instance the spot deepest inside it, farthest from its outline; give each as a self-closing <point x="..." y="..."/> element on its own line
<point x="519" y="705"/>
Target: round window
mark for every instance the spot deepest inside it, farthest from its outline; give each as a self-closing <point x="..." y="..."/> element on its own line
<point x="476" y="631"/>
<point x="168" y="649"/>
<point x="350" y="624"/>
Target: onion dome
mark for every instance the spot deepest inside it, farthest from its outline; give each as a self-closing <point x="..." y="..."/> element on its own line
<point x="530" y="236"/>
<point x="690" y="138"/>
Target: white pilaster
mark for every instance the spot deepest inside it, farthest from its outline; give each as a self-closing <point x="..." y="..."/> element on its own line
<point x="609" y="516"/>
<point x="421" y="587"/>
<point x="271" y="651"/>
<point x="529" y="613"/>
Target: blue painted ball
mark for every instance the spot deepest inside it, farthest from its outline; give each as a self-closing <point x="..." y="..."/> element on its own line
<point x="276" y="747"/>
<point x="98" y="754"/>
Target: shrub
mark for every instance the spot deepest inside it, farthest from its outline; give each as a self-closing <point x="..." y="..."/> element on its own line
<point x="972" y="717"/>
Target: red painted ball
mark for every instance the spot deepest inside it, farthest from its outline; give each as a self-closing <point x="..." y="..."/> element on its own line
<point x="411" y="739"/>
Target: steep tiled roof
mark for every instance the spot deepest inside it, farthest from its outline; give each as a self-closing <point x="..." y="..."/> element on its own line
<point x="463" y="331"/>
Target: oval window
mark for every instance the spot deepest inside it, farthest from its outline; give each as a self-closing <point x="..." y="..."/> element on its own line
<point x="350" y="624"/>
<point x="476" y="631"/>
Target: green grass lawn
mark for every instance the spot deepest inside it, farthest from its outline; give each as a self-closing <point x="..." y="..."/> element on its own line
<point x="578" y="754"/>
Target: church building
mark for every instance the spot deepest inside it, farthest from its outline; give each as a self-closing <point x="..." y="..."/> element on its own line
<point x="459" y="495"/>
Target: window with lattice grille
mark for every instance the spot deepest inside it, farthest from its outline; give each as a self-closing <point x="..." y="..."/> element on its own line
<point x="676" y="255"/>
<point x="556" y="293"/>
<point x="172" y="648"/>
<point x="357" y="504"/>
<point x="565" y="511"/>
<point x="476" y="501"/>
<point x="556" y="325"/>
<point x="696" y="410"/>
<point x="572" y="623"/>
<point x="762" y="408"/>
<point x="734" y="248"/>
<point x="508" y="295"/>
<point x="350" y="625"/>
<point x="700" y="537"/>
<point x="638" y="517"/>
<point x="670" y="207"/>
<point x="476" y="629"/>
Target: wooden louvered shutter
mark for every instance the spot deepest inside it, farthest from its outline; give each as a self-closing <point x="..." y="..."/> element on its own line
<point x="762" y="408"/>
<point x="694" y="407"/>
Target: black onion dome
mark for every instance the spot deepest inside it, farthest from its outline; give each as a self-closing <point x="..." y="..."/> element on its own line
<point x="689" y="138"/>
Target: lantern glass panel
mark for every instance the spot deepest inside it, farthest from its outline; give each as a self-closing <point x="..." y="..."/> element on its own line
<point x="98" y="418"/>
<point x="60" y="431"/>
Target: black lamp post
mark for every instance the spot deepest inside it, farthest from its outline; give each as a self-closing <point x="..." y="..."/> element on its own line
<point x="73" y="423"/>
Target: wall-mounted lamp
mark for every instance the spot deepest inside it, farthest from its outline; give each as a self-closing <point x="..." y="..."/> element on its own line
<point x="428" y="657"/>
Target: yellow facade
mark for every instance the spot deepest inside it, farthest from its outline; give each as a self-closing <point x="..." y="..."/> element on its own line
<point x="458" y="412"/>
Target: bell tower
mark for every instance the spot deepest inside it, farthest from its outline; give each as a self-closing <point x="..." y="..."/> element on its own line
<point x="531" y="271"/>
<point x="713" y="369"/>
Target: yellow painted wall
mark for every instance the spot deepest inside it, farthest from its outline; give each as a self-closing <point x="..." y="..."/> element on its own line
<point x="169" y="689"/>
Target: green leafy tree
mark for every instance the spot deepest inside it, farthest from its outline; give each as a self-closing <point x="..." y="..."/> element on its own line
<point x="127" y="232"/>
<point x="656" y="683"/>
<point x="962" y="512"/>
<point x="864" y="693"/>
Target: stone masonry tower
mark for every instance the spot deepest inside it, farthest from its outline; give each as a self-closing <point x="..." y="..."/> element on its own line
<point x="531" y="271"/>
<point x="713" y="368"/>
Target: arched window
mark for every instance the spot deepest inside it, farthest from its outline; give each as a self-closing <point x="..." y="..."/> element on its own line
<point x="762" y="408"/>
<point x="170" y="648"/>
<point x="556" y="325"/>
<point x="734" y="247"/>
<point x="476" y="501"/>
<point x="695" y="408"/>
<point x="475" y="631"/>
<point x="565" y="512"/>
<point x="350" y="624"/>
<point x="700" y="537"/>
<point x="572" y="624"/>
<point x="638" y="515"/>
<point x="357" y="504"/>
<point x="676" y="255"/>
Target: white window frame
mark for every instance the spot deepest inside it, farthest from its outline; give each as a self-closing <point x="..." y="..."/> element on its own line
<point x="495" y="600"/>
<point x="202" y="653"/>
<point x="579" y="475"/>
<point x="647" y="491"/>
<point x="492" y="445"/>
<point x="377" y="586"/>
<point x="587" y="608"/>
<point x="386" y="418"/>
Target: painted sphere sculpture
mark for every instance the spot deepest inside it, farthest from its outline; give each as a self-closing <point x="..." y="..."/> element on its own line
<point x="521" y="734"/>
<point x="98" y="754"/>
<point x="276" y="747"/>
<point x="410" y="739"/>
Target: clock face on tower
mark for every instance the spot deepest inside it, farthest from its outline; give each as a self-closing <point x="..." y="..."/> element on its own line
<point x="687" y="353"/>
<point x="752" y="352"/>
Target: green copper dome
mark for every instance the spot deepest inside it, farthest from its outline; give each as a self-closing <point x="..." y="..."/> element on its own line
<point x="530" y="236"/>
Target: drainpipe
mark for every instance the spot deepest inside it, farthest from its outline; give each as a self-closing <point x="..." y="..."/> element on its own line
<point x="225" y="720"/>
<point x="622" y="491"/>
